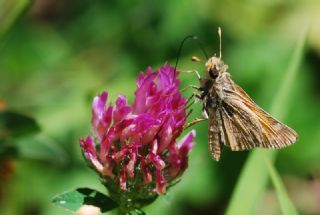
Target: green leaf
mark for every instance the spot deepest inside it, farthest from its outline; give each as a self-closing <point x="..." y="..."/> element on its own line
<point x="73" y="200"/>
<point x="41" y="148"/>
<point x="285" y="203"/>
<point x="259" y="165"/>
<point x="13" y="124"/>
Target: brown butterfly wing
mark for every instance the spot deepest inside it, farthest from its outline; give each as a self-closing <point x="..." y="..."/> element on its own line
<point x="216" y="136"/>
<point x="246" y="125"/>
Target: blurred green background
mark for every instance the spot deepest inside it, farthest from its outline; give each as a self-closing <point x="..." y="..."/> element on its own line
<point x="56" y="55"/>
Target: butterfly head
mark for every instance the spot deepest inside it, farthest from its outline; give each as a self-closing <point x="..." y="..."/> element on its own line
<point x="214" y="67"/>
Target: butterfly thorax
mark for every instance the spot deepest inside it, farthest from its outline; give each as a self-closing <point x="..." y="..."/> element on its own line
<point x="212" y="85"/>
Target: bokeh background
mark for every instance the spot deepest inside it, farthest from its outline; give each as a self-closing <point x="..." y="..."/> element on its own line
<point x="56" y="55"/>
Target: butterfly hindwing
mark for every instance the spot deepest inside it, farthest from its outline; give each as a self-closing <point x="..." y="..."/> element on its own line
<point x="215" y="134"/>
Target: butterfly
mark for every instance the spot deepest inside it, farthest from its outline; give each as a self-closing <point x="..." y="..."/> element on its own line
<point x="235" y="120"/>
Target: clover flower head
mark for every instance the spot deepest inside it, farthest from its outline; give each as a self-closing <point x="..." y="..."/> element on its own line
<point x="135" y="149"/>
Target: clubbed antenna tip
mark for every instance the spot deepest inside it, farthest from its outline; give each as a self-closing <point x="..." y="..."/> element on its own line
<point x="219" y="33"/>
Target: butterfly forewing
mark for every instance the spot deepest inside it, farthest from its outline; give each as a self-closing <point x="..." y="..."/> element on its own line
<point x="274" y="133"/>
<point x="243" y="125"/>
<point x="236" y="122"/>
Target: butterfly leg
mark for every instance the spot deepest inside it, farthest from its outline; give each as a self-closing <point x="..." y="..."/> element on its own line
<point x="194" y="72"/>
<point x="193" y="122"/>
<point x="191" y="87"/>
<point x="196" y="97"/>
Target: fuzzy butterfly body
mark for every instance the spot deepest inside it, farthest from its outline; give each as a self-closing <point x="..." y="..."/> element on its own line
<point x="235" y="120"/>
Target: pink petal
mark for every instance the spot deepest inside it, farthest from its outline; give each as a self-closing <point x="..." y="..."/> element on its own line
<point x="154" y="147"/>
<point x="108" y="116"/>
<point x="143" y="128"/>
<point x="107" y="143"/>
<point x="150" y="134"/>
<point x="139" y="105"/>
<point x="140" y="79"/>
<point x="121" y="109"/>
<point x="123" y="180"/>
<point x="158" y="162"/>
<point x="118" y="156"/>
<point x="98" y="105"/>
<point x="99" y="122"/>
<point x="128" y="132"/>
<point x="108" y="168"/>
<point x="131" y="165"/>
<point x="178" y="156"/>
<point x="147" y="177"/>
<point x="164" y="80"/>
<point x="166" y="77"/>
<point x="161" y="183"/>
<point x="90" y="153"/>
<point x="187" y="143"/>
<point x="88" y="146"/>
<point x="166" y="134"/>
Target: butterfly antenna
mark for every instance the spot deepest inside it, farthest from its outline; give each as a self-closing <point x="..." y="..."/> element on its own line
<point x="219" y="33"/>
<point x="195" y="38"/>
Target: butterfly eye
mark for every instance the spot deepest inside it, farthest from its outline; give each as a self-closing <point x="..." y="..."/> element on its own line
<point x="213" y="72"/>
